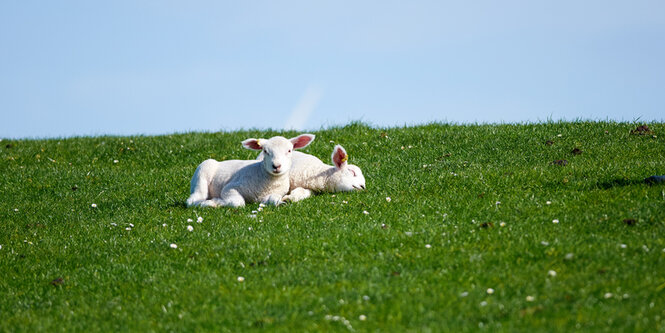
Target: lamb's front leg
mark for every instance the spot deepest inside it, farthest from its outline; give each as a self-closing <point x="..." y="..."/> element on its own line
<point x="272" y="199"/>
<point x="230" y="197"/>
<point x="298" y="194"/>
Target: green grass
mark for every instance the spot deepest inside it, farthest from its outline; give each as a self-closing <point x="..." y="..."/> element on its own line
<point x="319" y="264"/>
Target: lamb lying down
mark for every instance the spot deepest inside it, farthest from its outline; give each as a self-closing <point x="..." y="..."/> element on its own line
<point x="235" y="182"/>
<point x="310" y="175"/>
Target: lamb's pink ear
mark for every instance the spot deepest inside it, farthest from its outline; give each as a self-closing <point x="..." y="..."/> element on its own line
<point x="253" y="144"/>
<point x="339" y="157"/>
<point x="302" y="141"/>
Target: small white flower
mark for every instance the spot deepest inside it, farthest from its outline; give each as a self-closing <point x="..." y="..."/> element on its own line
<point x="16" y="209"/>
<point x="249" y="228"/>
<point x="608" y="295"/>
<point x="464" y="294"/>
<point x="559" y="135"/>
<point x="483" y="303"/>
<point x="254" y="212"/>
<point x="94" y="205"/>
<point x="502" y="224"/>
<point x="163" y="224"/>
<point x="569" y="256"/>
<point x="530" y="298"/>
<point x="551" y="273"/>
<point x="199" y="219"/>
<point x="131" y="225"/>
<point x="555" y="221"/>
<point x="190" y="228"/>
<point x="114" y="224"/>
<point x="623" y="246"/>
<point x="262" y="205"/>
<point x="173" y="246"/>
<point x="328" y="317"/>
<point x="0" y="246"/>
<point x="497" y="203"/>
<point x="362" y="317"/>
<point x="252" y="216"/>
<point x="365" y="212"/>
<point x="365" y="298"/>
<point x="408" y="233"/>
<point x="428" y="246"/>
<point x="548" y="202"/>
<point x="388" y="199"/>
<point x="115" y="161"/>
<point x="544" y="243"/>
<point x="128" y="229"/>
<point x="190" y="220"/>
<point x="345" y="202"/>
<point x="490" y="291"/>
<point x="241" y="279"/>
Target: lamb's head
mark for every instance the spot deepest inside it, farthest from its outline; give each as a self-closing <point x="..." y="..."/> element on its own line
<point x="346" y="177"/>
<point x="277" y="151"/>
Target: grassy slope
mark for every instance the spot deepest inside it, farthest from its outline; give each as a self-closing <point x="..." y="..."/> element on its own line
<point x="321" y="257"/>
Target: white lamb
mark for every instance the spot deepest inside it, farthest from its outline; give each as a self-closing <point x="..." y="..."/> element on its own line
<point x="310" y="175"/>
<point x="235" y="182"/>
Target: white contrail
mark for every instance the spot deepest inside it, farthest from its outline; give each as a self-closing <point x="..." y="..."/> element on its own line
<point x="303" y="110"/>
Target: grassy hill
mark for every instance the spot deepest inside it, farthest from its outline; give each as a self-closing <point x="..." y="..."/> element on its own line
<point x="501" y="227"/>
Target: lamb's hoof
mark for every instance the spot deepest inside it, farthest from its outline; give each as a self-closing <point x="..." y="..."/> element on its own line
<point x="273" y="200"/>
<point x="208" y="203"/>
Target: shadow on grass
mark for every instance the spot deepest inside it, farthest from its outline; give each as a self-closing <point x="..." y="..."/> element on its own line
<point x="178" y="204"/>
<point x="621" y="182"/>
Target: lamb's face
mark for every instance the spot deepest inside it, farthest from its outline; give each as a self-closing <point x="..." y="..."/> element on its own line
<point x="347" y="177"/>
<point x="277" y="155"/>
<point x="277" y="151"/>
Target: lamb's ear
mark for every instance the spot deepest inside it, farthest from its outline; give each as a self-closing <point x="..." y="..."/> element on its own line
<point x="302" y="141"/>
<point x="339" y="157"/>
<point x="253" y="144"/>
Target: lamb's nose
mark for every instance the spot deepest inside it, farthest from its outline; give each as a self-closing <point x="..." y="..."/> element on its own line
<point x="276" y="166"/>
<point x="362" y="186"/>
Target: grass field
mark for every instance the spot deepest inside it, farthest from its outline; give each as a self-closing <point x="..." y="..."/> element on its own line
<point x="483" y="231"/>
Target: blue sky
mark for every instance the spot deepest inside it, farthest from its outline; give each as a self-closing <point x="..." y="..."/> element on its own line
<point x="70" y="68"/>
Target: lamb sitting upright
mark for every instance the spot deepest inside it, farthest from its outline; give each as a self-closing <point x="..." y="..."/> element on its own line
<point x="310" y="175"/>
<point x="234" y="182"/>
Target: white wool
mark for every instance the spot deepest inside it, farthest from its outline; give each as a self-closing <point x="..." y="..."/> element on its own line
<point x="236" y="182"/>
